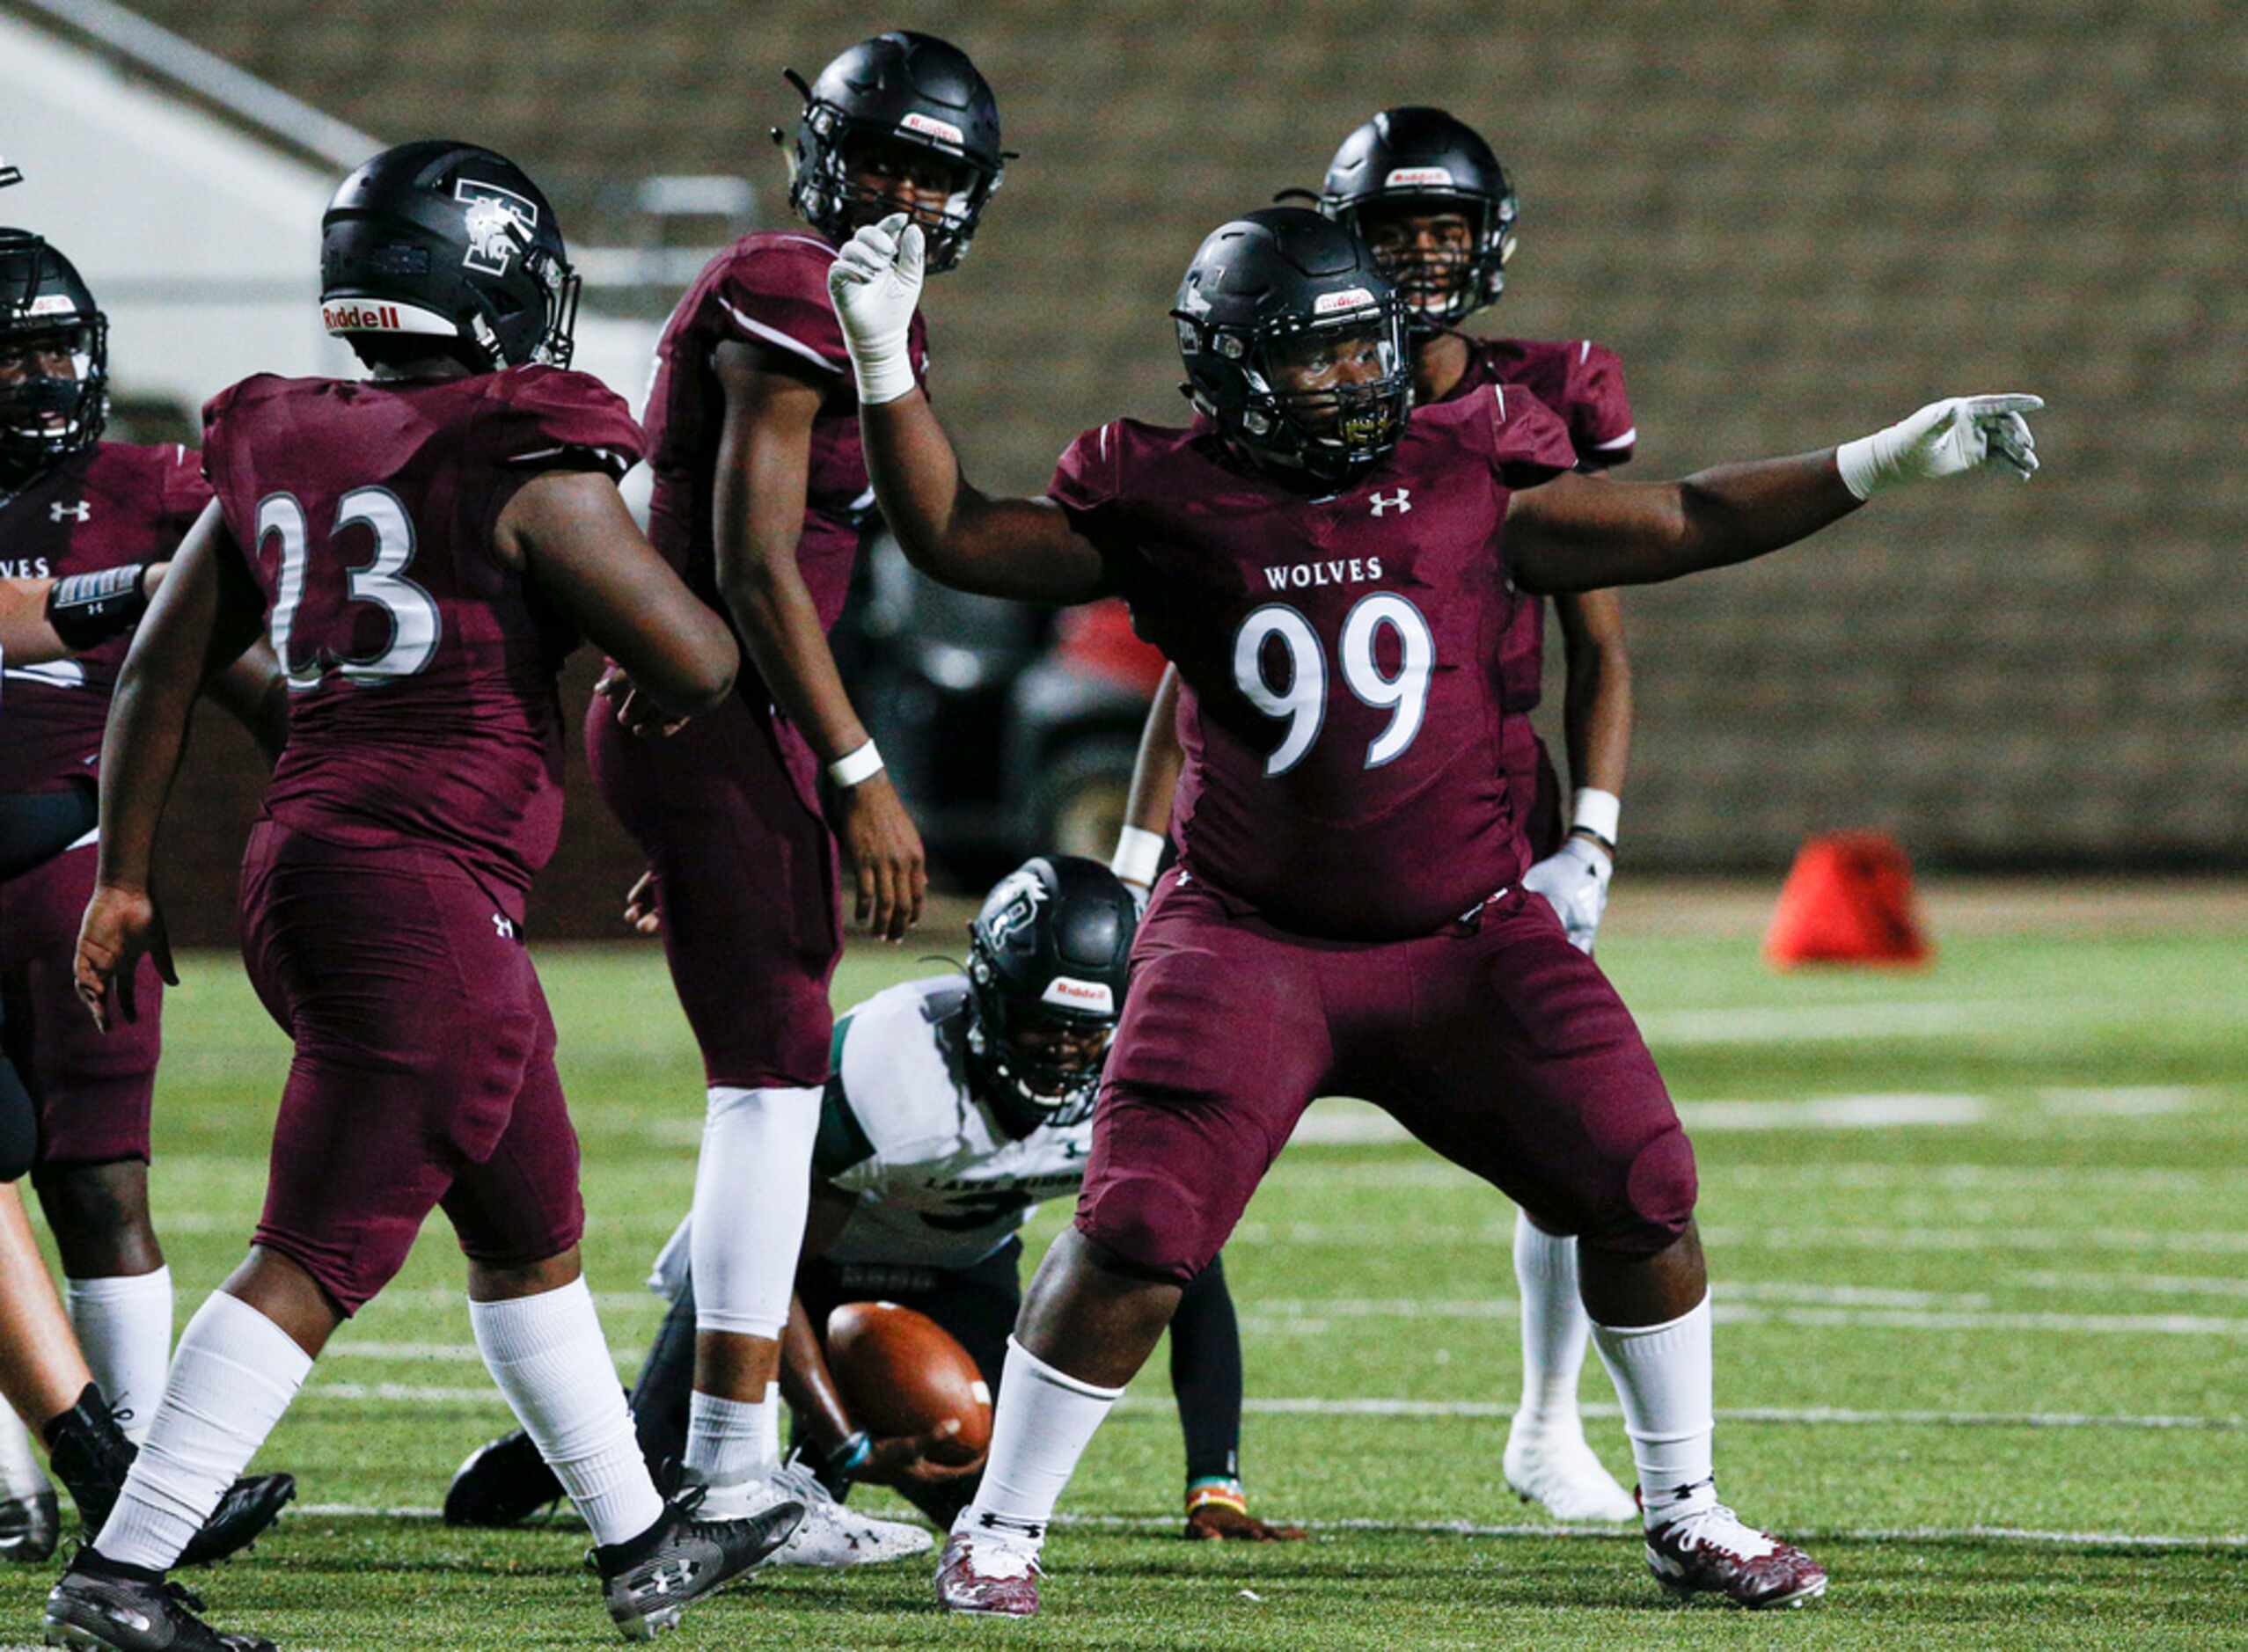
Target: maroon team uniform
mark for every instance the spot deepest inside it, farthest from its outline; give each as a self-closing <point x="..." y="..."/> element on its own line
<point x="727" y="811"/>
<point x="110" y="505"/>
<point x="1582" y="382"/>
<point x="421" y="790"/>
<point x="1346" y="915"/>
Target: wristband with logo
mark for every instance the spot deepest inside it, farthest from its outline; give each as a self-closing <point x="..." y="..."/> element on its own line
<point x="87" y="609"/>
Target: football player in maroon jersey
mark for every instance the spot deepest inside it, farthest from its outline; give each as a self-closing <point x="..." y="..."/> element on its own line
<point x="424" y="546"/>
<point x="761" y="499"/>
<point x="1333" y="580"/>
<point x="93" y="514"/>
<point x="1427" y="193"/>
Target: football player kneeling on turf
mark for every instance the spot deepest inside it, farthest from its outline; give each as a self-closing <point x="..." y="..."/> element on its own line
<point x="958" y="1104"/>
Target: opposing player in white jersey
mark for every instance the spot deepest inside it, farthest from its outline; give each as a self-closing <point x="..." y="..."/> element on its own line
<point x="957" y="1105"/>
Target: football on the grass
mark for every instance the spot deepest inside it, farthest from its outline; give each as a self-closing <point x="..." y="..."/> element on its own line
<point x="900" y="1372"/>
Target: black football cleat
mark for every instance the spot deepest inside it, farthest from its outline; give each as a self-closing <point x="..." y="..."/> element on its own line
<point x="90" y="1454"/>
<point x="650" y="1581"/>
<point x="1713" y="1551"/>
<point x="30" y="1527"/>
<point x="87" y="1610"/>
<point x="503" y="1483"/>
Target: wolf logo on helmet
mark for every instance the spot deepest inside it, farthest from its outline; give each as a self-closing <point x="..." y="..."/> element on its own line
<point x="498" y="222"/>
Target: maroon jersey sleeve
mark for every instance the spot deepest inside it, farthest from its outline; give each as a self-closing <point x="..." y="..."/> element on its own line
<point x="185" y="492"/>
<point x="543" y="418"/>
<point x="1089" y="486"/>
<point x="1601" y="424"/>
<point x="1529" y="442"/>
<point x="777" y="298"/>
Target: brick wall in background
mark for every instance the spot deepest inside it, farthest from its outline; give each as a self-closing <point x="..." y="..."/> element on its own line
<point x="1795" y="222"/>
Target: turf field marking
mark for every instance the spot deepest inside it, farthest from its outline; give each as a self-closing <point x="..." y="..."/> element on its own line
<point x="1317" y="1319"/>
<point x="1604" y="1534"/>
<point x="2152" y="1285"/>
<point x="2212" y="1242"/>
<point x="415" y="1393"/>
<point x="2138" y="1101"/>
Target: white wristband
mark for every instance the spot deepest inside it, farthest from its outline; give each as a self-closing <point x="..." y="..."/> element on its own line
<point x="854" y="766"/>
<point x="884" y="368"/>
<point x="1597" y="812"/>
<point x="1139" y="854"/>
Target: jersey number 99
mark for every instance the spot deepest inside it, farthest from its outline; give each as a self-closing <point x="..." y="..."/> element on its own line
<point x="1302" y="700"/>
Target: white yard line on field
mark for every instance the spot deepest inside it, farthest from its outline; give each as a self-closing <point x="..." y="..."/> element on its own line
<point x="415" y="1393"/>
<point x="1469" y="1529"/>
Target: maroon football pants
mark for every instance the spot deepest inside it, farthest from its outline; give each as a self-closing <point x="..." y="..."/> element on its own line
<point x="1500" y="1045"/>
<point x="93" y="1090"/>
<point x="424" y="1074"/>
<point x="728" y="813"/>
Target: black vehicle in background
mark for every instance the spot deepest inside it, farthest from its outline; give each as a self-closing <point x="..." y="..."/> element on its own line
<point x="1010" y="730"/>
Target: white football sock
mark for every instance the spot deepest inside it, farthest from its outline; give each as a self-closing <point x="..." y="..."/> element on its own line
<point x="21" y="1472"/>
<point x="1556" y="1329"/>
<point x="730" y="1441"/>
<point x="753" y="1182"/>
<point x="233" y="1375"/>
<point x="1663" y="1376"/>
<point x="1044" y="1421"/>
<point x="548" y="1355"/>
<point x="124" y="1325"/>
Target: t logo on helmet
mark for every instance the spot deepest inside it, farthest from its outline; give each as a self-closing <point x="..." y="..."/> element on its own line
<point x="498" y="222"/>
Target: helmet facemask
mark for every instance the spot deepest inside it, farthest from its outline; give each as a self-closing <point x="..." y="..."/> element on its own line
<point x="1041" y="1065"/>
<point x="1444" y="271"/>
<point x="1324" y="395"/>
<point x="827" y="191"/>
<point x="45" y="416"/>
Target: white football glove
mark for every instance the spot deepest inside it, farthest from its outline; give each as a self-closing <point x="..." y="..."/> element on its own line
<point x="1575" y="879"/>
<point x="1945" y="438"/>
<point x="875" y="283"/>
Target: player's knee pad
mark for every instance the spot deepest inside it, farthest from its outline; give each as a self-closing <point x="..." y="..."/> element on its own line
<point x="1659" y="1187"/>
<point x="19" y="1124"/>
<point x="1144" y="1224"/>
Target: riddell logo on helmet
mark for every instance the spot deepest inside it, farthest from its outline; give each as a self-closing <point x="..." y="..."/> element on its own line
<point x="929" y="126"/>
<point x="1328" y="304"/>
<point x="1418" y="177"/>
<point x="52" y="304"/>
<point x="1079" y="995"/>
<point x="361" y="318"/>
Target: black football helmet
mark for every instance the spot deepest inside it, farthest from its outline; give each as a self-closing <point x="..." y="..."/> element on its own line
<point x="1276" y="281"/>
<point x="1049" y="953"/>
<point x="1421" y="154"/>
<point x="46" y="307"/>
<point x="448" y="241"/>
<point x="914" y="89"/>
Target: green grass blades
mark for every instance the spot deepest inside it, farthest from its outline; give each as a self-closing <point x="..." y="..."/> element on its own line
<point x="1981" y="1275"/>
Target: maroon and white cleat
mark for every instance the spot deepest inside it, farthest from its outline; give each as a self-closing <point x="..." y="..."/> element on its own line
<point x="1712" y="1551"/>
<point x="987" y="1577"/>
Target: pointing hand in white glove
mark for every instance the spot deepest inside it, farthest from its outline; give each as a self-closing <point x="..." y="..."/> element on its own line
<point x="1945" y="438"/>
<point x="875" y="283"/>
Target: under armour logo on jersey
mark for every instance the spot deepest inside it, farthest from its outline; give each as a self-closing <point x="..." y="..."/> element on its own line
<point x="61" y="512"/>
<point x="1396" y="501"/>
<point x="503" y="926"/>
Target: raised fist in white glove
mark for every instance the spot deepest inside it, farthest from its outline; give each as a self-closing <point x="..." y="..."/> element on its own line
<point x="1965" y="433"/>
<point x="875" y="283"/>
<point x="1575" y="879"/>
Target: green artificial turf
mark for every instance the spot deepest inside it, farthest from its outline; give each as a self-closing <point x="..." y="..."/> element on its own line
<point x="2024" y="1321"/>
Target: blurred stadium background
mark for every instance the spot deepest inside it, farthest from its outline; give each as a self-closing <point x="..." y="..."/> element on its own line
<point x="1795" y="222"/>
<point x="1977" y="1233"/>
